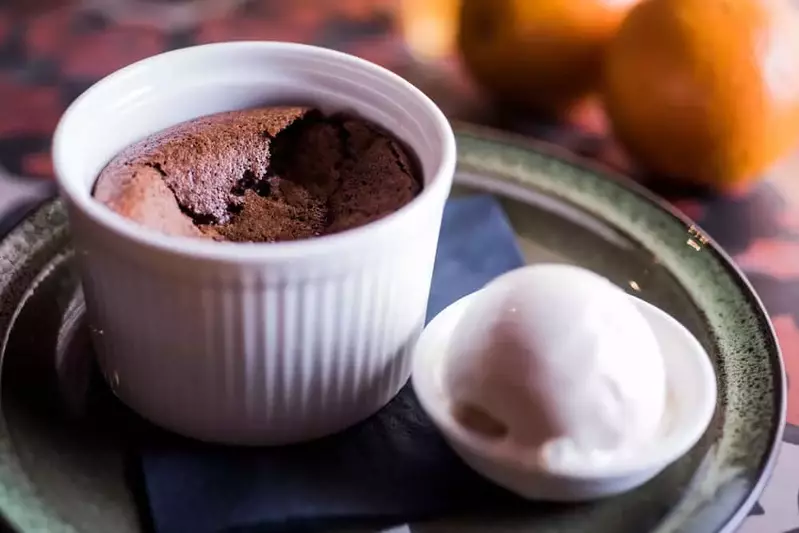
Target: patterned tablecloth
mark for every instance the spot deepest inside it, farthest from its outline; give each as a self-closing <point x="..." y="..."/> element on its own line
<point x="51" y="50"/>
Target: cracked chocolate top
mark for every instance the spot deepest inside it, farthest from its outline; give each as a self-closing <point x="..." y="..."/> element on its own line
<point x="261" y="175"/>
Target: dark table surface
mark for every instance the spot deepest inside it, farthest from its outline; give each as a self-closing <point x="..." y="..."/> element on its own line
<point x="52" y="50"/>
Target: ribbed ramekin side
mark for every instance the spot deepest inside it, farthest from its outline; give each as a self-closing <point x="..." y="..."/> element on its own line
<point x="257" y="355"/>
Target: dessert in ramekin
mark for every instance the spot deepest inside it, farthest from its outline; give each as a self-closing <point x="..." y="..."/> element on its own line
<point x="252" y="343"/>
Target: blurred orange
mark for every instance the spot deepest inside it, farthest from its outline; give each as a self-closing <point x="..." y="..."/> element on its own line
<point x="540" y="55"/>
<point x="429" y="27"/>
<point x="706" y="91"/>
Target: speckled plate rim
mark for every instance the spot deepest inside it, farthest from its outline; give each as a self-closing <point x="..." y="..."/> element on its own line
<point x="593" y="167"/>
<point x="21" y="507"/>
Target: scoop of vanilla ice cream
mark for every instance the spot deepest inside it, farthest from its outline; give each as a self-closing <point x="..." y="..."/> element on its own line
<point x="558" y="360"/>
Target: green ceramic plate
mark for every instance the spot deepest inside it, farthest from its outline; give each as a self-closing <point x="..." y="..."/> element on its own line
<point x="61" y="469"/>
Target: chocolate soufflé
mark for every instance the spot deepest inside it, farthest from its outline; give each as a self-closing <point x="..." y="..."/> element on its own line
<point x="261" y="175"/>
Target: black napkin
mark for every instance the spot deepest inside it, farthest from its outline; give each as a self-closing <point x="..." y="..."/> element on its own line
<point x="392" y="468"/>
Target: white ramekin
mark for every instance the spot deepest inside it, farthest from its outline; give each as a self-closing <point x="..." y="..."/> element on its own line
<point x="252" y="343"/>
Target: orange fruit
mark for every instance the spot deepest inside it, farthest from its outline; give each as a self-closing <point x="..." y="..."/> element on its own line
<point x="429" y="27"/>
<point x="539" y="55"/>
<point x="706" y="91"/>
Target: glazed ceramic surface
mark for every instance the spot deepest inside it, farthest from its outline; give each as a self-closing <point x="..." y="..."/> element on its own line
<point x="62" y="461"/>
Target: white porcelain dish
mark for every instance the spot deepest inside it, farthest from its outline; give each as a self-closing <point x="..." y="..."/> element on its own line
<point x="691" y="391"/>
<point x="252" y="343"/>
